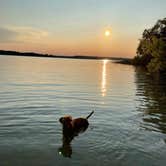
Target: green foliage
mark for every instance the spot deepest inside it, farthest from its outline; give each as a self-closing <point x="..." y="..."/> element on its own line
<point x="151" y="51"/>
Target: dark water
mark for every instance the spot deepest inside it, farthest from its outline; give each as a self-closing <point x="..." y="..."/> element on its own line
<point x="127" y="128"/>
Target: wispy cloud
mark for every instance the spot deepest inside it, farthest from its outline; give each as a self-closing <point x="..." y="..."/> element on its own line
<point x="22" y="34"/>
<point x="7" y="35"/>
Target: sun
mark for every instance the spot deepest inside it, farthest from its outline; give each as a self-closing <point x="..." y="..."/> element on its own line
<point x="107" y="33"/>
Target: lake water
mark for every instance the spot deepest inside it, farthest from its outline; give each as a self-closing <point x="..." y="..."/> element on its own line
<point x="127" y="128"/>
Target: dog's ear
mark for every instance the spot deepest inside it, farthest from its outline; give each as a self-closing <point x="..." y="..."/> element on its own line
<point x="61" y="120"/>
<point x="66" y="119"/>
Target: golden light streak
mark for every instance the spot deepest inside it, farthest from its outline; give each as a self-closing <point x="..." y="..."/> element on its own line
<point x="104" y="78"/>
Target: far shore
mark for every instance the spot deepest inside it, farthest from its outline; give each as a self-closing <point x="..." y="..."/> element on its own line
<point x="32" y="54"/>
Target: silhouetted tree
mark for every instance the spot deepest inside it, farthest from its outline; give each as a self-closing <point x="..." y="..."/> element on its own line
<point x="151" y="51"/>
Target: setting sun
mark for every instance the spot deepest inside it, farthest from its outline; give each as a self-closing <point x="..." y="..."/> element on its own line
<point x="107" y="33"/>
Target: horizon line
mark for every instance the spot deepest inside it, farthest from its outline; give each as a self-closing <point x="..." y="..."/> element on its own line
<point x="79" y="56"/>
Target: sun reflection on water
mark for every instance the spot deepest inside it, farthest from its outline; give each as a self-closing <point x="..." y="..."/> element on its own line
<point x="104" y="78"/>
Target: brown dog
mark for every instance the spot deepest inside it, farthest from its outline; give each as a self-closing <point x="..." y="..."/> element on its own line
<point x="74" y="126"/>
<point x="71" y="128"/>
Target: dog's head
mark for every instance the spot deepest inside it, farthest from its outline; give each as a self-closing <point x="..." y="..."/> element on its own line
<point x="65" y="120"/>
<point x="67" y="127"/>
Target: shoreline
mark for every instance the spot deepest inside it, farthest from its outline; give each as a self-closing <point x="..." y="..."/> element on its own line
<point x="32" y="54"/>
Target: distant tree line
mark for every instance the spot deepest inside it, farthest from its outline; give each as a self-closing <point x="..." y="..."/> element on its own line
<point x="151" y="51"/>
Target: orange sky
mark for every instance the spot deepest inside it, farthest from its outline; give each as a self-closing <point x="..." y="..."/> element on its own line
<point x="97" y="44"/>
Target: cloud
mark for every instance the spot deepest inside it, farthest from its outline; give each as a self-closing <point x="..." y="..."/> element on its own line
<point x="22" y="34"/>
<point x="7" y="35"/>
<point x="29" y="34"/>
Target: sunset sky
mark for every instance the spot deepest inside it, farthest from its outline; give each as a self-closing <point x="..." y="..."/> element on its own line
<point x="72" y="27"/>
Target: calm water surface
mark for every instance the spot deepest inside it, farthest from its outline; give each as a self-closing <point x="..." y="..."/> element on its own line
<point x="127" y="128"/>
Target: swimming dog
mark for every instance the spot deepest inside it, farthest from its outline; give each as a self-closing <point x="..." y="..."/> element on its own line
<point x="74" y="126"/>
<point x="71" y="128"/>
